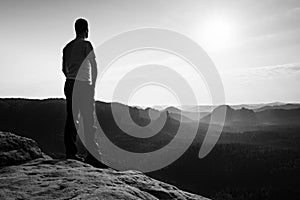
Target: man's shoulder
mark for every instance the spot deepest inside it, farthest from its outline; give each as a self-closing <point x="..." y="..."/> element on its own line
<point x="88" y="43"/>
<point x="68" y="45"/>
<point x="79" y="43"/>
<point x="82" y="41"/>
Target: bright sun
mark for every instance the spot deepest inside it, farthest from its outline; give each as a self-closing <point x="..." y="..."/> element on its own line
<point x="218" y="33"/>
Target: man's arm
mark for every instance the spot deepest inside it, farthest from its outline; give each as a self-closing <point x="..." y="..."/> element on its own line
<point x="64" y="68"/>
<point x="92" y="59"/>
<point x="94" y="71"/>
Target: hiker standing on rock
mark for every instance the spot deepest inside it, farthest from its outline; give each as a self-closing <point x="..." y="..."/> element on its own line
<point x="80" y="68"/>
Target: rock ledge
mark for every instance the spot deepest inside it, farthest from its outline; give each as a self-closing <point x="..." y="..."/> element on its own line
<point x="44" y="178"/>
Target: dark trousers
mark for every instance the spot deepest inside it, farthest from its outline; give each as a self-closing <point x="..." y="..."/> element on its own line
<point x="79" y="99"/>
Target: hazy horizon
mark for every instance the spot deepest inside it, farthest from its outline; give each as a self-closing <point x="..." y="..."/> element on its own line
<point x="163" y="106"/>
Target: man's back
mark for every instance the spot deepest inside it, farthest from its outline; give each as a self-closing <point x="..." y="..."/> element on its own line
<point x="75" y="64"/>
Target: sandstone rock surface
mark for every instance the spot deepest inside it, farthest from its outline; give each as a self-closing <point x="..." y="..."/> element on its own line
<point x="40" y="177"/>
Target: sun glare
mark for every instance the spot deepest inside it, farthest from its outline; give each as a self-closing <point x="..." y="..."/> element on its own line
<point x="218" y="33"/>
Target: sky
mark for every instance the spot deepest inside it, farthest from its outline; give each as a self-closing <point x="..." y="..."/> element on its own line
<point x="254" y="45"/>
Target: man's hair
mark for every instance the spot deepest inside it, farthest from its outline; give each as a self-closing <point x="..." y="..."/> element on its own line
<point x="81" y="25"/>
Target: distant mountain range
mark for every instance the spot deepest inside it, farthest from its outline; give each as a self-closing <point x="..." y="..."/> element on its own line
<point x="288" y="106"/>
<point x="209" y="108"/>
<point x="37" y="118"/>
<point x="271" y="115"/>
<point x="241" y="116"/>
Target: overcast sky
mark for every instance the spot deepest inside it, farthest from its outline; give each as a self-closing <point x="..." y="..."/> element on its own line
<point x="254" y="44"/>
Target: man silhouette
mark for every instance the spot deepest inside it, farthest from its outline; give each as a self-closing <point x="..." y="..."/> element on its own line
<point x="80" y="69"/>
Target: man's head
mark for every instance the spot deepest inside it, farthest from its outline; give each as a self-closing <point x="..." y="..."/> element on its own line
<point x="81" y="27"/>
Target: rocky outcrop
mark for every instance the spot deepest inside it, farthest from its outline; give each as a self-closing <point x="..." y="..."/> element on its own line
<point x="45" y="178"/>
<point x="15" y="149"/>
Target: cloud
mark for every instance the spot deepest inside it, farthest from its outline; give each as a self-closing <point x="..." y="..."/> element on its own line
<point x="266" y="72"/>
<point x="263" y="84"/>
<point x="277" y="70"/>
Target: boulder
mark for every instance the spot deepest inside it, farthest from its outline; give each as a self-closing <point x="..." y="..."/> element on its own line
<point x="16" y="149"/>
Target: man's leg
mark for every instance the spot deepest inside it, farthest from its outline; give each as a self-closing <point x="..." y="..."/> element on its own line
<point x="70" y="127"/>
<point x="87" y="109"/>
